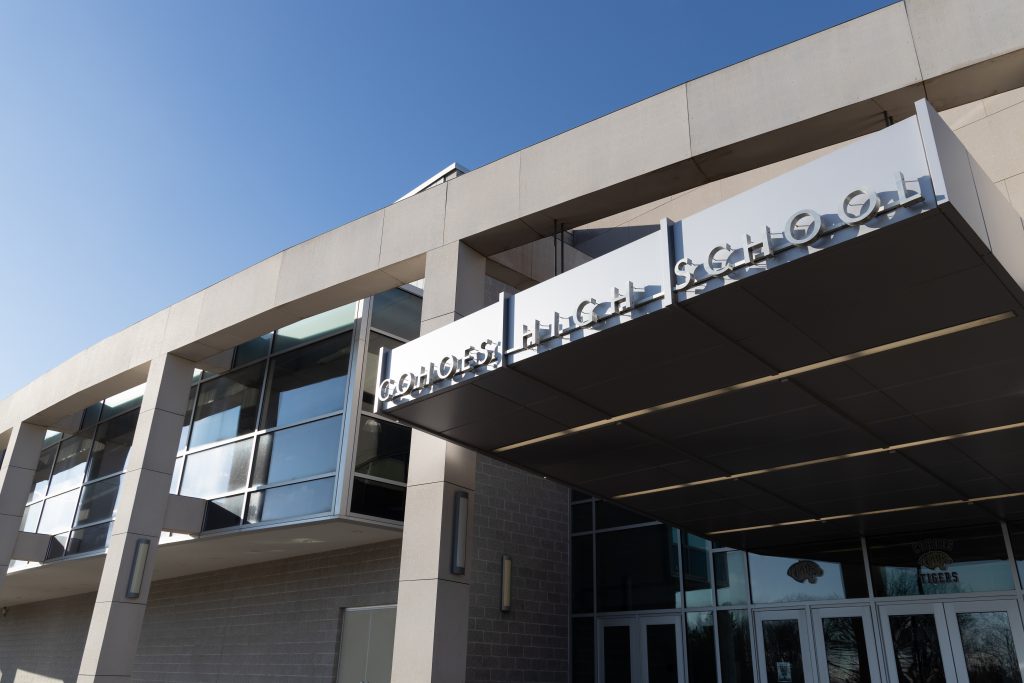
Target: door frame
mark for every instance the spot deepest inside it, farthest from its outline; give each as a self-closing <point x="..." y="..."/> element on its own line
<point x="937" y="610"/>
<point x="1008" y="605"/>
<point x="634" y="645"/>
<point x="673" y="619"/>
<point x="872" y="641"/>
<point x="800" y="615"/>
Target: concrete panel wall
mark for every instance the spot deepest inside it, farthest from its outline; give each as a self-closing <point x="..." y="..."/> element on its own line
<point x="526" y="517"/>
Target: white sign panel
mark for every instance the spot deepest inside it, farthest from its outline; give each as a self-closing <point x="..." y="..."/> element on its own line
<point x="870" y="184"/>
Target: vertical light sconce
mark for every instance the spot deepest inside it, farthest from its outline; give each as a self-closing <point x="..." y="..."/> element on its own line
<point x="138" y="569"/>
<point x="506" y="583"/>
<point x="460" y="523"/>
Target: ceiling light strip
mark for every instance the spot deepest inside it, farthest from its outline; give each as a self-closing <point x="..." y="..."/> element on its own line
<point x="869" y="513"/>
<point x="820" y="461"/>
<point x="763" y="380"/>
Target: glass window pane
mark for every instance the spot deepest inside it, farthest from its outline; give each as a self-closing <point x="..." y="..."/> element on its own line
<point x="383" y="449"/>
<point x="398" y="312"/>
<point x="254" y="349"/>
<point x="91" y="415"/>
<point x="87" y="539"/>
<point x="915" y="643"/>
<point x="846" y="650"/>
<point x="51" y="437"/>
<point x="700" y="647"/>
<point x="988" y="646"/>
<point x="582" y="574"/>
<point x="697" y="571"/>
<point x="662" y="653"/>
<point x="99" y="501"/>
<point x="960" y="561"/>
<point x="734" y="646"/>
<point x="298" y="452"/>
<point x="113" y="441"/>
<point x="211" y="473"/>
<point x="372" y="362"/>
<point x="583" y="650"/>
<point x="224" y="512"/>
<point x="608" y="515"/>
<point x="295" y="500"/>
<point x="731" y="578"/>
<point x="322" y="325"/>
<point x="58" y="513"/>
<point x="56" y="547"/>
<point x="30" y="518"/>
<point x="832" y="572"/>
<point x="41" y="480"/>
<point x="183" y="441"/>
<point x="123" y="402"/>
<point x="227" y="406"/>
<point x="637" y="569"/>
<point x="582" y="517"/>
<point x="179" y="465"/>
<point x="783" y="655"/>
<point x="378" y="499"/>
<point x="617" y="654"/>
<point x="69" y="469"/>
<point x="308" y="382"/>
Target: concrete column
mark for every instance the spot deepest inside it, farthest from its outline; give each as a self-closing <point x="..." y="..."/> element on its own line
<point x="16" y="472"/>
<point x="113" y="636"/>
<point x="433" y="604"/>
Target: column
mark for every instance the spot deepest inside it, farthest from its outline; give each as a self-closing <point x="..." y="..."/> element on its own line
<point x="16" y="475"/>
<point x="433" y="603"/>
<point x="113" y="636"/>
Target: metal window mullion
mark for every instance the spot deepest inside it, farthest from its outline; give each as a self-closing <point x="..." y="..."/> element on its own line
<point x="353" y="405"/>
<point x="192" y="415"/>
<point x="258" y="488"/>
<point x="1010" y="556"/>
<point x="383" y="480"/>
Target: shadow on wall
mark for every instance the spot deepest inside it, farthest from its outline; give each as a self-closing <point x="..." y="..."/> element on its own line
<point x="596" y="242"/>
<point x="43" y="641"/>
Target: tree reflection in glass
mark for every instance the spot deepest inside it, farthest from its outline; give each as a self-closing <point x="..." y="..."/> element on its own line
<point x="915" y="643"/>
<point x="988" y="647"/>
<point x="846" y="651"/>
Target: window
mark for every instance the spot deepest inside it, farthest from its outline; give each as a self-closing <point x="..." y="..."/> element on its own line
<point x="638" y="569"/>
<point x="79" y="516"/>
<point x="308" y="382"/>
<point x="227" y="406"/>
<point x="217" y="471"/>
<point x="398" y="313"/>
<point x="383" y="449"/>
<point x="953" y="561"/>
<point x="298" y="452"/>
<point x="832" y="572"/>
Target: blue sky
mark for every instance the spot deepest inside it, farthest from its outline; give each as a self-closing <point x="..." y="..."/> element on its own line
<point x="149" y="149"/>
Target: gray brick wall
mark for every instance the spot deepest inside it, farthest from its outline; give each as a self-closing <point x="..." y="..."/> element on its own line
<point x="271" y="621"/>
<point x="279" y="620"/>
<point x="526" y="517"/>
<point x="43" y="641"/>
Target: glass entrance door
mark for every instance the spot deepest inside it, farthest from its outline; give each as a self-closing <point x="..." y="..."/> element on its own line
<point x="641" y="649"/>
<point x="987" y="640"/>
<point x="845" y="645"/>
<point x="916" y="644"/>
<point x="783" y="646"/>
<point x="956" y="642"/>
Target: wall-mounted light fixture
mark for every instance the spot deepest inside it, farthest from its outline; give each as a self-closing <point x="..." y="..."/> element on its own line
<point x="506" y="583"/>
<point x="460" y="523"/>
<point x="138" y="569"/>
